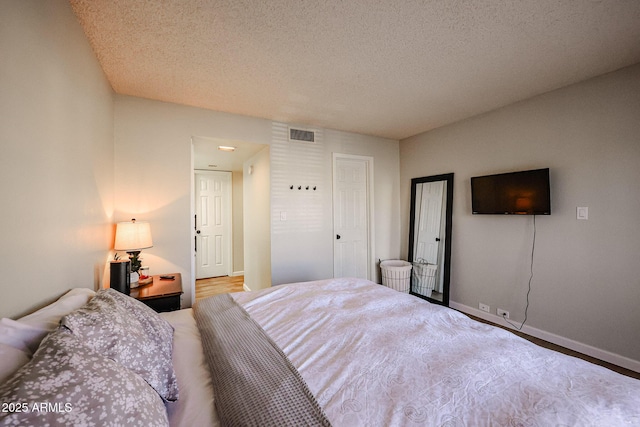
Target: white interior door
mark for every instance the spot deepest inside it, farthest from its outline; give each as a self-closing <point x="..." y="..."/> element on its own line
<point x="213" y="223"/>
<point x="351" y="216"/>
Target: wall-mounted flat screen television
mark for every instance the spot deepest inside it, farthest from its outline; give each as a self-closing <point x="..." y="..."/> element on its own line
<point x="515" y="193"/>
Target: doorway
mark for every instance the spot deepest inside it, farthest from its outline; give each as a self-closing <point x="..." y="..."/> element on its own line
<point x="352" y="216"/>
<point x="213" y="224"/>
<point x="207" y="155"/>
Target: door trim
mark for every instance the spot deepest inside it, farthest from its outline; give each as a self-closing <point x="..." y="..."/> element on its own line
<point x="371" y="274"/>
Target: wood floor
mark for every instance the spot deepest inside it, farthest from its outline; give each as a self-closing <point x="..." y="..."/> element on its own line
<point x="218" y="285"/>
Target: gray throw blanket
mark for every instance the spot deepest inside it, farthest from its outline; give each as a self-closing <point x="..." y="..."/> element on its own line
<point x="254" y="383"/>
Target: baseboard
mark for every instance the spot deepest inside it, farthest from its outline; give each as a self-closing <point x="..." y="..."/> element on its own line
<point x="246" y="288"/>
<point x="237" y="273"/>
<point x="604" y="355"/>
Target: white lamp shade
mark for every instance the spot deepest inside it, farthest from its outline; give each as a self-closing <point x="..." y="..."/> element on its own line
<point x="133" y="236"/>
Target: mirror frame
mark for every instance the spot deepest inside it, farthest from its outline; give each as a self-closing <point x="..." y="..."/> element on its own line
<point x="448" y="178"/>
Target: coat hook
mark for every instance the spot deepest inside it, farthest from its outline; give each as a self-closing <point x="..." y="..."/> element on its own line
<point x="291" y="188"/>
<point x="307" y="187"/>
<point x="314" y="188"/>
<point x="299" y="187"/>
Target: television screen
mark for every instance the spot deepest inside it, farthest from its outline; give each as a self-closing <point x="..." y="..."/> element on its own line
<point x="515" y="193"/>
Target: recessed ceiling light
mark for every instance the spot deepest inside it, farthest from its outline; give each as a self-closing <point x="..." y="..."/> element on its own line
<point x="226" y="148"/>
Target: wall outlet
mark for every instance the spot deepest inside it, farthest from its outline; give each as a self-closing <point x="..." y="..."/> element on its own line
<point x="484" y="307"/>
<point x="503" y="313"/>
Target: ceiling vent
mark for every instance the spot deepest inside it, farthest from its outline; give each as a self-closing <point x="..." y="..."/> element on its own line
<point x="301" y="135"/>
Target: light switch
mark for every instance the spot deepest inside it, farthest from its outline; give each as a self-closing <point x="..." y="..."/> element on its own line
<point x="582" y="212"/>
<point x="283" y="216"/>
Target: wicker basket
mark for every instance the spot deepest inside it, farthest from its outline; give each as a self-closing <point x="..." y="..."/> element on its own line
<point x="396" y="274"/>
<point x="424" y="277"/>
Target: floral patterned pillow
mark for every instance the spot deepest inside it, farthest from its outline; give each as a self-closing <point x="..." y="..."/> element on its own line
<point x="67" y="383"/>
<point x="125" y="330"/>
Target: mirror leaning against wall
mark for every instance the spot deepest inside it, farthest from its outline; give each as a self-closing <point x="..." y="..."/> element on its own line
<point x="430" y="237"/>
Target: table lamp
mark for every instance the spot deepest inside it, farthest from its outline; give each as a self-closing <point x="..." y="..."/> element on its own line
<point x="131" y="237"/>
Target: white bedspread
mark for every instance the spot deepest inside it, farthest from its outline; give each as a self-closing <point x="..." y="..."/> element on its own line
<point x="377" y="357"/>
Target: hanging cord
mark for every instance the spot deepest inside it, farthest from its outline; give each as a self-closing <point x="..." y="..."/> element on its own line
<point x="533" y="248"/>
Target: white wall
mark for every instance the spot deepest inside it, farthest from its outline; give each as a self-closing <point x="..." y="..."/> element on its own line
<point x="302" y="247"/>
<point x="256" y="220"/>
<point x="153" y="175"/>
<point x="153" y="172"/>
<point x="586" y="286"/>
<point x="56" y="166"/>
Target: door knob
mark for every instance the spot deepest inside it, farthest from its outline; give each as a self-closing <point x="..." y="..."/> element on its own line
<point x="437" y="238"/>
<point x="338" y="236"/>
<point x="198" y="232"/>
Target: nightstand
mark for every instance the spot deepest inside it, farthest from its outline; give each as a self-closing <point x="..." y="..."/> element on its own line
<point x="162" y="294"/>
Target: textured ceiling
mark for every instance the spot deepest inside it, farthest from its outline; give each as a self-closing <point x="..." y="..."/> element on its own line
<point x="377" y="67"/>
<point x="207" y="156"/>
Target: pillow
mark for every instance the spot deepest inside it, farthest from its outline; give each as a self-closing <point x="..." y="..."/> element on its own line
<point x="127" y="331"/>
<point x="66" y="383"/>
<point x="12" y="360"/>
<point x="21" y="336"/>
<point x="26" y="333"/>
<point x="49" y="316"/>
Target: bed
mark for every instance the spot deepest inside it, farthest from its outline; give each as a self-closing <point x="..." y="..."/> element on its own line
<point x="364" y="355"/>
